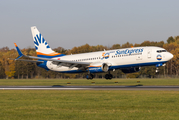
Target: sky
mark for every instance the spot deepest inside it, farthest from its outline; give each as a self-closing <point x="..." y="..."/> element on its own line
<point x="70" y="23"/>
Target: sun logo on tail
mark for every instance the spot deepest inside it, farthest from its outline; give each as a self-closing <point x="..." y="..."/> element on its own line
<point x="40" y="41"/>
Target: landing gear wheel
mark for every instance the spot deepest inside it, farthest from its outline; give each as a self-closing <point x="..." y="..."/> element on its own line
<point x="157" y="70"/>
<point x="89" y="76"/>
<point x="109" y="76"/>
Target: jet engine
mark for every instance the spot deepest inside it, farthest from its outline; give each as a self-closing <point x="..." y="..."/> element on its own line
<point x="98" y="67"/>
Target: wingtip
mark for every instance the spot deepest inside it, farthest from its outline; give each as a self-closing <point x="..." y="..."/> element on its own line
<point x="15" y="44"/>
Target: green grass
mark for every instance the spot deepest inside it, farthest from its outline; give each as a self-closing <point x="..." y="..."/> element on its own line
<point x="88" y="105"/>
<point x="80" y="82"/>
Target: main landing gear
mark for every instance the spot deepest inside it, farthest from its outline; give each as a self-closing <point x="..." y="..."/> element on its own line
<point x="89" y="76"/>
<point x="109" y="76"/>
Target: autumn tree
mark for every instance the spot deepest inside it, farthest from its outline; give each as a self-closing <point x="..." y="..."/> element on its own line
<point x="127" y="45"/>
<point x="2" y="71"/>
<point x="116" y="46"/>
<point x="173" y="65"/>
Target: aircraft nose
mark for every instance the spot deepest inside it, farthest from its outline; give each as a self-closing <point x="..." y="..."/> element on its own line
<point x="170" y="56"/>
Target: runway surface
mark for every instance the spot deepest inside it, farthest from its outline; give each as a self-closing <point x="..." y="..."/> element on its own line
<point x="58" y="87"/>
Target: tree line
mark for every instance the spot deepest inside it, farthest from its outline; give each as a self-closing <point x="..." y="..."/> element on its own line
<point x="10" y="69"/>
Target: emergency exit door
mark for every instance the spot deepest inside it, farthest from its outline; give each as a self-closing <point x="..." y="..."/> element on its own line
<point x="149" y="52"/>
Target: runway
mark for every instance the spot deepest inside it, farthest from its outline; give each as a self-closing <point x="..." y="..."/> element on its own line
<point x="59" y="87"/>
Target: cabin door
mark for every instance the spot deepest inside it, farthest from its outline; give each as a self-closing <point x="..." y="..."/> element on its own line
<point x="149" y="52"/>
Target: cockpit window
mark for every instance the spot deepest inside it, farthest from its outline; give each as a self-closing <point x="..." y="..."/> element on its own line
<point x="159" y="51"/>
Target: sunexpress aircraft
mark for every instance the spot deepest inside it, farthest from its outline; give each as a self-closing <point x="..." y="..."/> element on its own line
<point x="129" y="60"/>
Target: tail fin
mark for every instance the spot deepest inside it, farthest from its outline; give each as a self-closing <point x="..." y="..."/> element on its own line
<point x="42" y="48"/>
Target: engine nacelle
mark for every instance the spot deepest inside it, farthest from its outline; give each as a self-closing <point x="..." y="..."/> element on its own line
<point x="131" y="70"/>
<point x="98" y="67"/>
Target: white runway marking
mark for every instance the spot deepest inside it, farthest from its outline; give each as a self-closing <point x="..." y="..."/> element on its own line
<point x="44" y="88"/>
<point x="175" y="88"/>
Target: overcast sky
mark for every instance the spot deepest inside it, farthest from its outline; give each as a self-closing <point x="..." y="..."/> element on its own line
<point x="69" y="23"/>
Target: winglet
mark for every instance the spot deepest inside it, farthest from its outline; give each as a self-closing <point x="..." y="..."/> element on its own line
<point x="19" y="51"/>
<point x="15" y="44"/>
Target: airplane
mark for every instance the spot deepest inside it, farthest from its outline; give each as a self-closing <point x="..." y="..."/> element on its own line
<point x="129" y="60"/>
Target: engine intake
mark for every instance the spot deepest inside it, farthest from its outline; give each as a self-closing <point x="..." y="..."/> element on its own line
<point x="105" y="67"/>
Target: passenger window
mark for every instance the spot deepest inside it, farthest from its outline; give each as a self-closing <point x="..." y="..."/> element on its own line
<point x="159" y="51"/>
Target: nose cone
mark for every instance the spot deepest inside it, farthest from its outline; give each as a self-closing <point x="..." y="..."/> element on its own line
<point x="170" y="56"/>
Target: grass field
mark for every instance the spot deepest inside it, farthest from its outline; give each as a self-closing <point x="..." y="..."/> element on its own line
<point x="83" y="82"/>
<point x="88" y="105"/>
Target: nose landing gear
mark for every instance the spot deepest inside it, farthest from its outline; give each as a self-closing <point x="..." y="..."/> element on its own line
<point x="157" y="70"/>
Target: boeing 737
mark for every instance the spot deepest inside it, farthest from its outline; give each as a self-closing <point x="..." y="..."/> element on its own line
<point x="129" y="60"/>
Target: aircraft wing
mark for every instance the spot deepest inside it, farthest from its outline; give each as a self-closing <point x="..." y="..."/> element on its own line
<point x="67" y="63"/>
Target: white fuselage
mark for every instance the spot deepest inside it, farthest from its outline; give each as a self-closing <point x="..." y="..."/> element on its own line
<point x="116" y="59"/>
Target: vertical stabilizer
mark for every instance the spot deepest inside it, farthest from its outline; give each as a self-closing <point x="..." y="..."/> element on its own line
<point x="41" y="46"/>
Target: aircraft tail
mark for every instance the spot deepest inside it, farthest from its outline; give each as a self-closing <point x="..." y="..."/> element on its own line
<point x="41" y="46"/>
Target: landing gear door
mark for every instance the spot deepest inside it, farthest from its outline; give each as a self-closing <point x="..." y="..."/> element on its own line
<point x="149" y="52"/>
